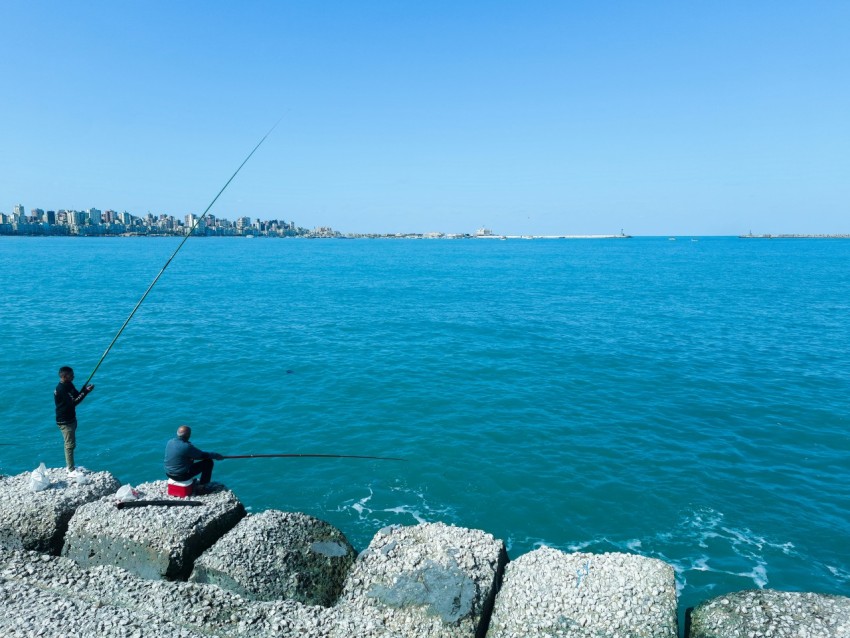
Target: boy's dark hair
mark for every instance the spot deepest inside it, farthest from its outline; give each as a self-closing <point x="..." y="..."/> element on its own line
<point x="64" y="371"/>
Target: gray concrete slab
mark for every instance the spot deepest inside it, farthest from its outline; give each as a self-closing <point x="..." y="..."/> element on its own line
<point x="548" y="592"/>
<point x="156" y="542"/>
<point x="38" y="520"/>
<point x="279" y="555"/>
<point x="43" y="595"/>
<point x="761" y="613"/>
<point x="430" y="580"/>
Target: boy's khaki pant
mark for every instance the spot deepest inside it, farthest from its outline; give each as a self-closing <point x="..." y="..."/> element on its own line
<point x="69" y="433"/>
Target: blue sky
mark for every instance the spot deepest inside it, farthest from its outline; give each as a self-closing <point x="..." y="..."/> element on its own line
<point x="526" y="117"/>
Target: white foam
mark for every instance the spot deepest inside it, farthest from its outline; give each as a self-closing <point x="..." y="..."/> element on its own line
<point x="406" y="510"/>
<point x="758" y="575"/>
<point x="634" y="545"/>
<point x="701" y="565"/>
<point x="359" y="506"/>
<point x="838" y="572"/>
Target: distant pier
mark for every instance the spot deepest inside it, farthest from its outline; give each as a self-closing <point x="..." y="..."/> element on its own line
<point x="794" y="236"/>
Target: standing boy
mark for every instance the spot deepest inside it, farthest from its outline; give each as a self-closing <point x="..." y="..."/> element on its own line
<point x="66" y="397"/>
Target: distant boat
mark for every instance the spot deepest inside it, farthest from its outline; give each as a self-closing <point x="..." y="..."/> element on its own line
<point x="671" y="239"/>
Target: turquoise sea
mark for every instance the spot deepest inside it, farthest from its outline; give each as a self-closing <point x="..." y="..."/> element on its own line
<point x="685" y="400"/>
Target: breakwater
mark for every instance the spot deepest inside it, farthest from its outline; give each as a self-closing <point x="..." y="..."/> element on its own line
<point x="74" y="563"/>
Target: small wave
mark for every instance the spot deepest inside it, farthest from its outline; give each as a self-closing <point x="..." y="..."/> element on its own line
<point x="534" y="542"/>
<point x="758" y="575"/>
<point x="841" y="574"/>
<point x="381" y="507"/>
<point x="707" y="553"/>
<point x="360" y="506"/>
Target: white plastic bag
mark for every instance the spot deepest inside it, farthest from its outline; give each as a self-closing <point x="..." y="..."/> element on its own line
<point x="38" y="479"/>
<point x="126" y="493"/>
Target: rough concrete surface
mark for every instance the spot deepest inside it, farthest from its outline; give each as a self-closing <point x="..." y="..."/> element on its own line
<point x="279" y="555"/>
<point x="50" y="596"/>
<point x="38" y="520"/>
<point x="766" y="613"/>
<point x="551" y="593"/>
<point x="427" y="580"/>
<point x="152" y="542"/>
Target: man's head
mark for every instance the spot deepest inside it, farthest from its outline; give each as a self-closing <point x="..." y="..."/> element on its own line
<point x="66" y="373"/>
<point x="184" y="432"/>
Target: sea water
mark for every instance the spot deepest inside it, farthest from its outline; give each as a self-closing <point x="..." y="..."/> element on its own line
<point x="683" y="400"/>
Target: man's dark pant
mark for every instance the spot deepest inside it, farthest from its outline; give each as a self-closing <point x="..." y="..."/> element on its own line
<point x="204" y="468"/>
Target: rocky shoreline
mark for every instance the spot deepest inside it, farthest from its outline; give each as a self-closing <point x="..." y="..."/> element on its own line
<point x="72" y="563"/>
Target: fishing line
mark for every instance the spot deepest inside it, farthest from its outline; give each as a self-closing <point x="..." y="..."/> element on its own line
<point x="185" y="239"/>
<point x="323" y="456"/>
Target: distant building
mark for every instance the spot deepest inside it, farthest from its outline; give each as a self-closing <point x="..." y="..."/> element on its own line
<point x="242" y="224"/>
<point x="94" y="222"/>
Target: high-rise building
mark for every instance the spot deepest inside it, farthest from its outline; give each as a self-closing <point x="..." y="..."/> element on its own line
<point x="194" y="222"/>
<point x="242" y="223"/>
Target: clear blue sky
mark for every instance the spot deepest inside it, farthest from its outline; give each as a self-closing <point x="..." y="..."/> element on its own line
<point x="525" y="117"/>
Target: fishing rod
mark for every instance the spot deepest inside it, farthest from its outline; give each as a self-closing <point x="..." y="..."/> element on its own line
<point x="185" y="239"/>
<point x="323" y="456"/>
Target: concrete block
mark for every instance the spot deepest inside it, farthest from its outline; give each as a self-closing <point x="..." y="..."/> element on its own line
<point x="37" y="521"/>
<point x="551" y="593"/>
<point x="155" y="542"/>
<point x="427" y="580"/>
<point x="767" y="612"/>
<point x="279" y="556"/>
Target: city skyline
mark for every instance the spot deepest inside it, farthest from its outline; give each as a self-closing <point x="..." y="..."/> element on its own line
<point x="94" y="221"/>
<point x="85" y="223"/>
<point x="539" y="117"/>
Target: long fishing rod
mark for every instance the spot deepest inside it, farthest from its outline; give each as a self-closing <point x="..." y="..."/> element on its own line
<point x="185" y="239"/>
<point x="323" y="456"/>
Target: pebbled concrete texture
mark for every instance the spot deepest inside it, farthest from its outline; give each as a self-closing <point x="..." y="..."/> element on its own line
<point x="155" y="542"/>
<point x="548" y="592"/>
<point x="38" y="520"/>
<point x="279" y="555"/>
<point x="767" y="613"/>
<point x="430" y="579"/>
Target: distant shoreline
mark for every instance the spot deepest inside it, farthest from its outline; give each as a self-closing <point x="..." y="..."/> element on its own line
<point x="795" y="236"/>
<point x="326" y="236"/>
<point x="424" y="236"/>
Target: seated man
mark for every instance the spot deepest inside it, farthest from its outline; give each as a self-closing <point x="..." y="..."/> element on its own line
<point x="184" y="461"/>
